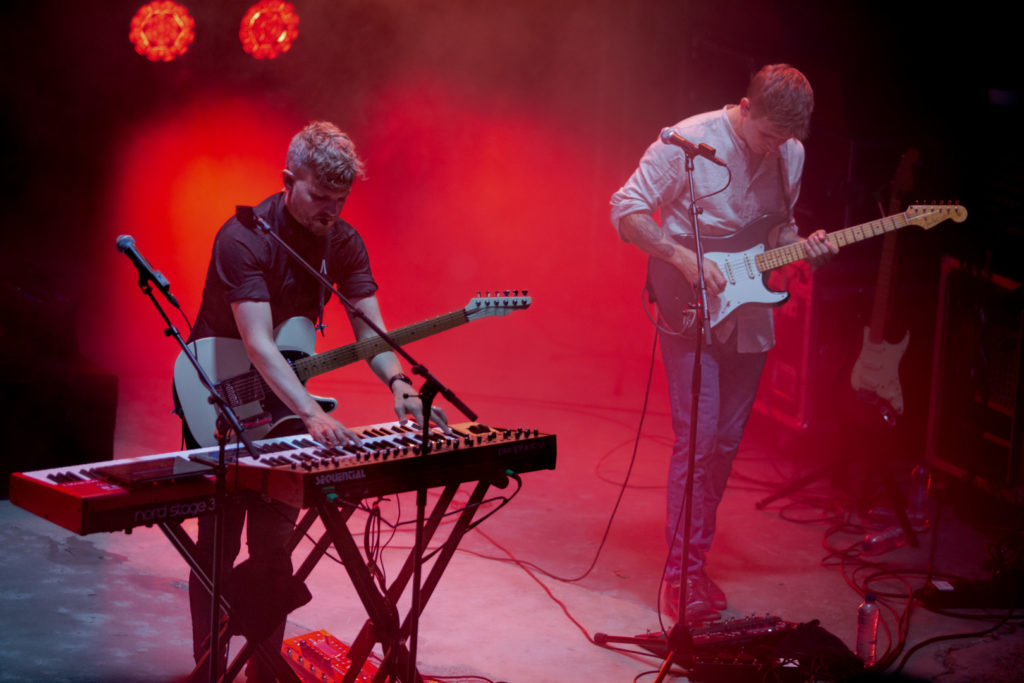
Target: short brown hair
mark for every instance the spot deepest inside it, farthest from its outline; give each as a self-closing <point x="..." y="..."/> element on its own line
<point x="783" y="95"/>
<point x="326" y="151"/>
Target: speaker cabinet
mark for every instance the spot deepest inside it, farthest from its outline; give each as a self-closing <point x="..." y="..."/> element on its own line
<point x="976" y="415"/>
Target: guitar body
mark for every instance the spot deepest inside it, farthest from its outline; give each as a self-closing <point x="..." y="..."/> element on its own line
<point x="877" y="373"/>
<point x="735" y="256"/>
<point x="223" y="359"/>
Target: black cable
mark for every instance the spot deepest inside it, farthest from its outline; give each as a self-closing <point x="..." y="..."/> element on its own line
<point x="622" y="489"/>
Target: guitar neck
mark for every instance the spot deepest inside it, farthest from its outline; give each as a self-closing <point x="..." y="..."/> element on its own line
<point x="883" y="289"/>
<point x="790" y="253"/>
<point x="320" y="363"/>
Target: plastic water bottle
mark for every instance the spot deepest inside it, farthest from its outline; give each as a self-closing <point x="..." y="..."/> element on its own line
<point x="917" y="509"/>
<point x="867" y="629"/>
<point x="884" y="541"/>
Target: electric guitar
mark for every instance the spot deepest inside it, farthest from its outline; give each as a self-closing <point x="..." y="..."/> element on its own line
<point x="745" y="262"/>
<point x="260" y="411"/>
<point x="876" y="374"/>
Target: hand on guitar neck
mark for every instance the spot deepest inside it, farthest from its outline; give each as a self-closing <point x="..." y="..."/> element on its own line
<point x="817" y="247"/>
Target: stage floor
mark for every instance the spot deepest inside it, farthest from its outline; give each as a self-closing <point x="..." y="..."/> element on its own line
<point x="113" y="607"/>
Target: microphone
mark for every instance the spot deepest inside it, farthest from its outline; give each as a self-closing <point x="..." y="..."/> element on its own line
<point x="248" y="217"/>
<point x="670" y="137"/>
<point x="126" y="245"/>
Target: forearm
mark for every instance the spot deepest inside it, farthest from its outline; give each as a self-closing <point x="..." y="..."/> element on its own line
<point x="642" y="230"/>
<point x="386" y="364"/>
<point x="281" y="378"/>
<point x="253" y="319"/>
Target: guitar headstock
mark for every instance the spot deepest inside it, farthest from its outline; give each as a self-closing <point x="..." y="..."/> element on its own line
<point x="501" y="303"/>
<point x="928" y="215"/>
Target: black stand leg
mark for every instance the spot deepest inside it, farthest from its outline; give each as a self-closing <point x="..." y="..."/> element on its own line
<point x="868" y="437"/>
<point x="796" y="485"/>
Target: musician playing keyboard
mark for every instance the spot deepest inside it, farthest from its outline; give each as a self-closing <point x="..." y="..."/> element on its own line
<point x="252" y="286"/>
<point x="759" y="141"/>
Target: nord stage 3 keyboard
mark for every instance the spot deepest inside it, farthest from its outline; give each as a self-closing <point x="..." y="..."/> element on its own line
<point x="122" y="494"/>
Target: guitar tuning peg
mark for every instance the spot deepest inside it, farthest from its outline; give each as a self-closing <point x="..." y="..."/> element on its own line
<point x="506" y="292"/>
<point x="524" y="292"/>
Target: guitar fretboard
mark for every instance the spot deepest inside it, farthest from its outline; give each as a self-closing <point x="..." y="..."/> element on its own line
<point x="781" y="256"/>
<point x="320" y="363"/>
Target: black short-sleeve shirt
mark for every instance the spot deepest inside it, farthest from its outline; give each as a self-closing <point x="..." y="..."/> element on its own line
<point x="247" y="265"/>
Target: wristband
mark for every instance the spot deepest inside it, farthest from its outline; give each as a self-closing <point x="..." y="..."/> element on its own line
<point x="398" y="378"/>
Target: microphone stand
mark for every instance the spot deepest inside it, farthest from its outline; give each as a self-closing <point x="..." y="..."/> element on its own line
<point x="431" y="387"/>
<point x="227" y="422"/>
<point x="679" y="639"/>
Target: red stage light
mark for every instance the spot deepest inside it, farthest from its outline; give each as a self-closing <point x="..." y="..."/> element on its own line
<point x="162" y="30"/>
<point x="269" y="28"/>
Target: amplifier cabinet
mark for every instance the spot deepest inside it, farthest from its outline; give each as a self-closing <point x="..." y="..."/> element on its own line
<point x="975" y="422"/>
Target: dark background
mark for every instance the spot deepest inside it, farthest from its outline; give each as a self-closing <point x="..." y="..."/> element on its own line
<point x="495" y="133"/>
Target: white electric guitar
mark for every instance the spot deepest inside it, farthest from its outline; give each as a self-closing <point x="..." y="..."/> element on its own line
<point x="745" y="262"/>
<point x="260" y="411"/>
<point x="876" y="374"/>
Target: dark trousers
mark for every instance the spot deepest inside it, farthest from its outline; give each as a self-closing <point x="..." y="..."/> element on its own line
<point x="729" y="381"/>
<point x="269" y="525"/>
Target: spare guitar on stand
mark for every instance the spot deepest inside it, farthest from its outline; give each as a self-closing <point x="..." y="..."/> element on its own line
<point x="875" y="376"/>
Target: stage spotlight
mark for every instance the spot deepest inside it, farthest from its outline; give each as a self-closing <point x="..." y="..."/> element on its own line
<point x="269" y="28"/>
<point x="162" y="30"/>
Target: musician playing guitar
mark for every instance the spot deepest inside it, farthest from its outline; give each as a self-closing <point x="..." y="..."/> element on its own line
<point x="253" y="286"/>
<point x="758" y="139"/>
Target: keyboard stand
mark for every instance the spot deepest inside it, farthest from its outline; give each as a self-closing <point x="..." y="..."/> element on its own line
<point x="384" y="625"/>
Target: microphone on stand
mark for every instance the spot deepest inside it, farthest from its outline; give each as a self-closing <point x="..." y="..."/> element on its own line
<point x="126" y="245"/>
<point x="248" y="217"/>
<point x="670" y="137"/>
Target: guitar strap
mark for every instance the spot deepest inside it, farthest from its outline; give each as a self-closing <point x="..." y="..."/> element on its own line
<point x="320" y="325"/>
<point x="784" y="190"/>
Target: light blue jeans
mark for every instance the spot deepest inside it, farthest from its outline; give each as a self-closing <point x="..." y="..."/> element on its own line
<point x="729" y="382"/>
